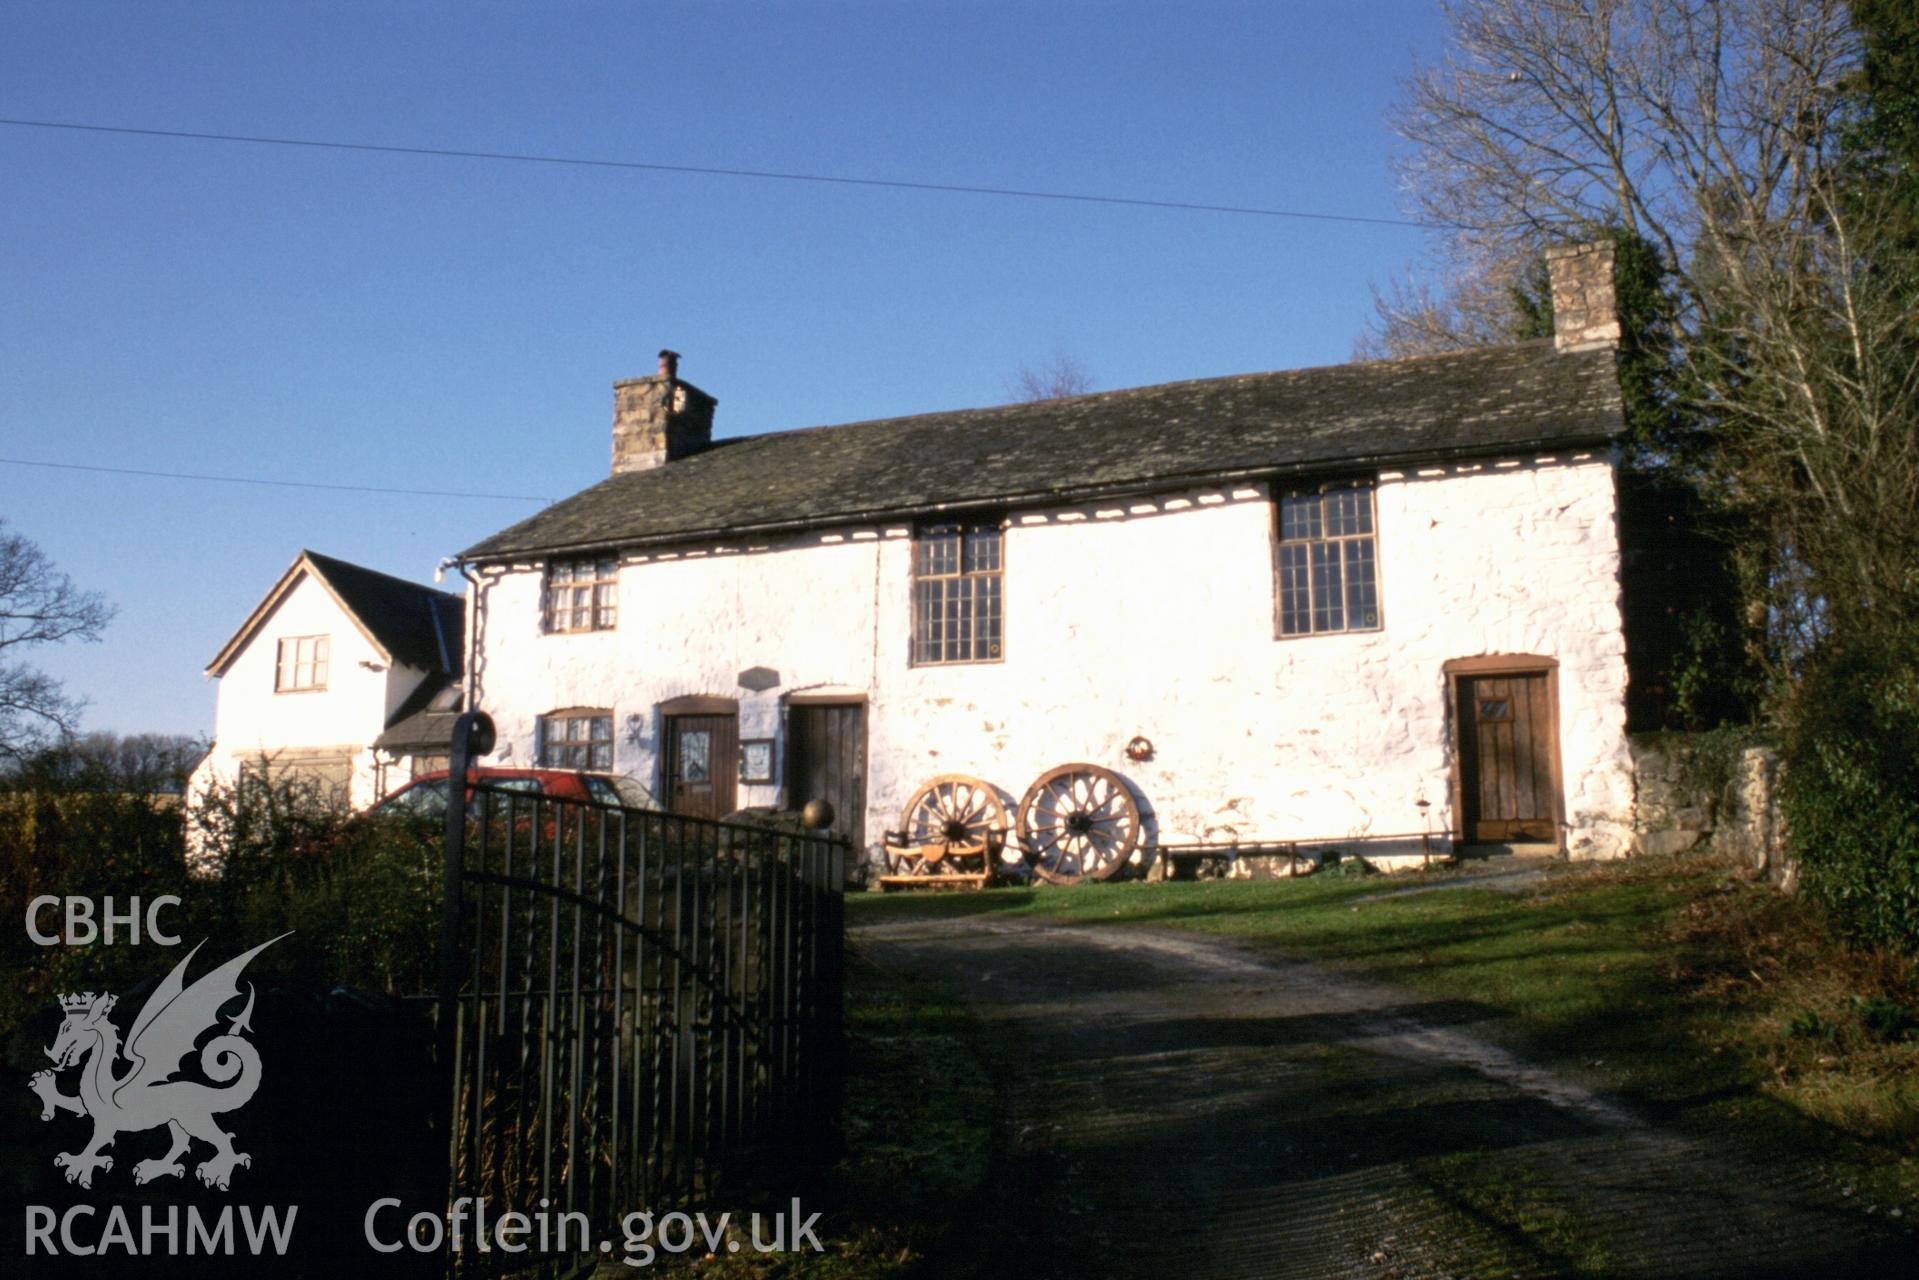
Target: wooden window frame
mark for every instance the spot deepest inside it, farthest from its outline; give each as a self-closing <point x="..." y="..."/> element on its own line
<point x="996" y="524"/>
<point x="318" y="666"/>
<point x="602" y="589"/>
<point x="547" y="743"/>
<point x="1280" y="542"/>
<point x="1502" y="664"/>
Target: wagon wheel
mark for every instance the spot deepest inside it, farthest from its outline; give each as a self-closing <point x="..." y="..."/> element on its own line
<point x="951" y="819"/>
<point x="1078" y="820"/>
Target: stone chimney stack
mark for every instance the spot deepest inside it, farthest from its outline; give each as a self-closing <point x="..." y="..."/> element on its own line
<point x="1585" y="308"/>
<point x="660" y="419"/>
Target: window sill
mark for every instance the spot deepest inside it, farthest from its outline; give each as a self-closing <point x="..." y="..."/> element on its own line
<point x="1328" y="635"/>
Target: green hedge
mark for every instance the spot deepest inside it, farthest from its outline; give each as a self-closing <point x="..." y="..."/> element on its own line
<point x="362" y="895"/>
<point x="92" y="844"/>
<point x="1850" y="791"/>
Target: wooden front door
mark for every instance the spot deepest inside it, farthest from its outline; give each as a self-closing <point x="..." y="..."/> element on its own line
<point x="826" y="760"/>
<point x="702" y="768"/>
<point x="1509" y="782"/>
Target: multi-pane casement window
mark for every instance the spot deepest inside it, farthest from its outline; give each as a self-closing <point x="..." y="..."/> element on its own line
<point x="1328" y="565"/>
<point x="580" y="595"/>
<point x="957" y="576"/>
<point x="302" y="664"/>
<point x="576" y="739"/>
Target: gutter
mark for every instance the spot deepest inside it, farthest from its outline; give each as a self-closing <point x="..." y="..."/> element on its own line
<point x="1038" y="497"/>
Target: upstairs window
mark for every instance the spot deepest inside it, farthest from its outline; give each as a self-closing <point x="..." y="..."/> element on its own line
<point x="1328" y="566"/>
<point x="957" y="613"/>
<point x="580" y="595"/>
<point x="302" y="664"/>
<point x="577" y="739"/>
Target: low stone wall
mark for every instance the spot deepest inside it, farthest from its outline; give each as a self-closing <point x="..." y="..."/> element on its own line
<point x="1682" y="802"/>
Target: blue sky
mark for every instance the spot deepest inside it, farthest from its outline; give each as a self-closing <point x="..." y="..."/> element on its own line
<point x="438" y="323"/>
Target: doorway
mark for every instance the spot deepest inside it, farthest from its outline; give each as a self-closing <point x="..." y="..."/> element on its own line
<point x="826" y="760"/>
<point x="1508" y="778"/>
<point x="700" y="762"/>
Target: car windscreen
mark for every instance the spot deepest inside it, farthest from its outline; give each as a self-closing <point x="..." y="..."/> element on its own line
<point x="421" y="800"/>
<point x="428" y="799"/>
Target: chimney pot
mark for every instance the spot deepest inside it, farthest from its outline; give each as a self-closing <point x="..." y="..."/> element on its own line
<point x="669" y="365"/>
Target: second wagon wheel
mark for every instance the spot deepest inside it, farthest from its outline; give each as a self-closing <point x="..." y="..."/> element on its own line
<point x="950" y="820"/>
<point x="1078" y="820"/>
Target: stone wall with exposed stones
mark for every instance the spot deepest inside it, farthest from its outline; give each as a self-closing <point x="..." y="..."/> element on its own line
<point x="1680" y="805"/>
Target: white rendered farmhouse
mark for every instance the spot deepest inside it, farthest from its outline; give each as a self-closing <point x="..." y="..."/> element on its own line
<point x="1370" y="599"/>
<point x="342" y="675"/>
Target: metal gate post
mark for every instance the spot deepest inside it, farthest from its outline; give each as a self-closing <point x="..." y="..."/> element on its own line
<point x="472" y="738"/>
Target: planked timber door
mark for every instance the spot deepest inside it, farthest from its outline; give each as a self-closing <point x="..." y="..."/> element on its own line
<point x="826" y="760"/>
<point x="702" y="764"/>
<point x="1509" y="785"/>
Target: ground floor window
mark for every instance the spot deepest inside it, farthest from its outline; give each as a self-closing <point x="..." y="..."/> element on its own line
<point x="576" y="739"/>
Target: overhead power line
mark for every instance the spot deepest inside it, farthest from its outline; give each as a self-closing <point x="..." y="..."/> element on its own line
<point x="775" y="175"/>
<point x="277" y="484"/>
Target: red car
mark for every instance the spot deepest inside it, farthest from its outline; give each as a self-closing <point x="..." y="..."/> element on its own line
<point x="425" y="796"/>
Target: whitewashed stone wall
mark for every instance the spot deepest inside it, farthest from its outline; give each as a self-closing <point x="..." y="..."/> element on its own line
<point x="252" y="719"/>
<point x="1153" y="618"/>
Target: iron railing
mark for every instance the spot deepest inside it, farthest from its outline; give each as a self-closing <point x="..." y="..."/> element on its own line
<point x="644" y="1005"/>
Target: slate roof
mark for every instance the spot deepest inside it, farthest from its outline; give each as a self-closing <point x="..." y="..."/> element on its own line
<point x="416" y="624"/>
<point x="411" y="623"/>
<point x="1390" y="412"/>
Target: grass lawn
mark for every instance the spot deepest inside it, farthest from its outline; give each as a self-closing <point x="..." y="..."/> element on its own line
<point x="1711" y="1003"/>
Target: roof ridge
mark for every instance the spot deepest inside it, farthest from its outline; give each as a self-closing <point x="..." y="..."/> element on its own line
<point x="1524" y="345"/>
<point x="320" y="560"/>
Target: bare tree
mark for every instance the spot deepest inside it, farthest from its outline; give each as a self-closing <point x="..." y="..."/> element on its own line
<point x="1056" y="379"/>
<point x="38" y="605"/>
<point x="1690" y="124"/>
<point x="1683" y="121"/>
<point x="1707" y="129"/>
<point x="1806" y="362"/>
<point x="1478" y="299"/>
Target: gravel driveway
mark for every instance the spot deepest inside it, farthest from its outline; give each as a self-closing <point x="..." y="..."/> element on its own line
<point x="1184" y="1107"/>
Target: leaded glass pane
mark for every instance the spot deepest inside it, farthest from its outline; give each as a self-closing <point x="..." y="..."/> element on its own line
<point x="1326" y="571"/>
<point x="581" y="595"/>
<point x="1362" y="586"/>
<point x="957" y="601"/>
<point x="696" y="747"/>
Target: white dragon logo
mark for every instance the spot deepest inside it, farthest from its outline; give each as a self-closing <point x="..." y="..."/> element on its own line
<point x="143" y="1097"/>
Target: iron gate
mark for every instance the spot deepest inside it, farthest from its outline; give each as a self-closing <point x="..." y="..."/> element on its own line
<point x="641" y="1002"/>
